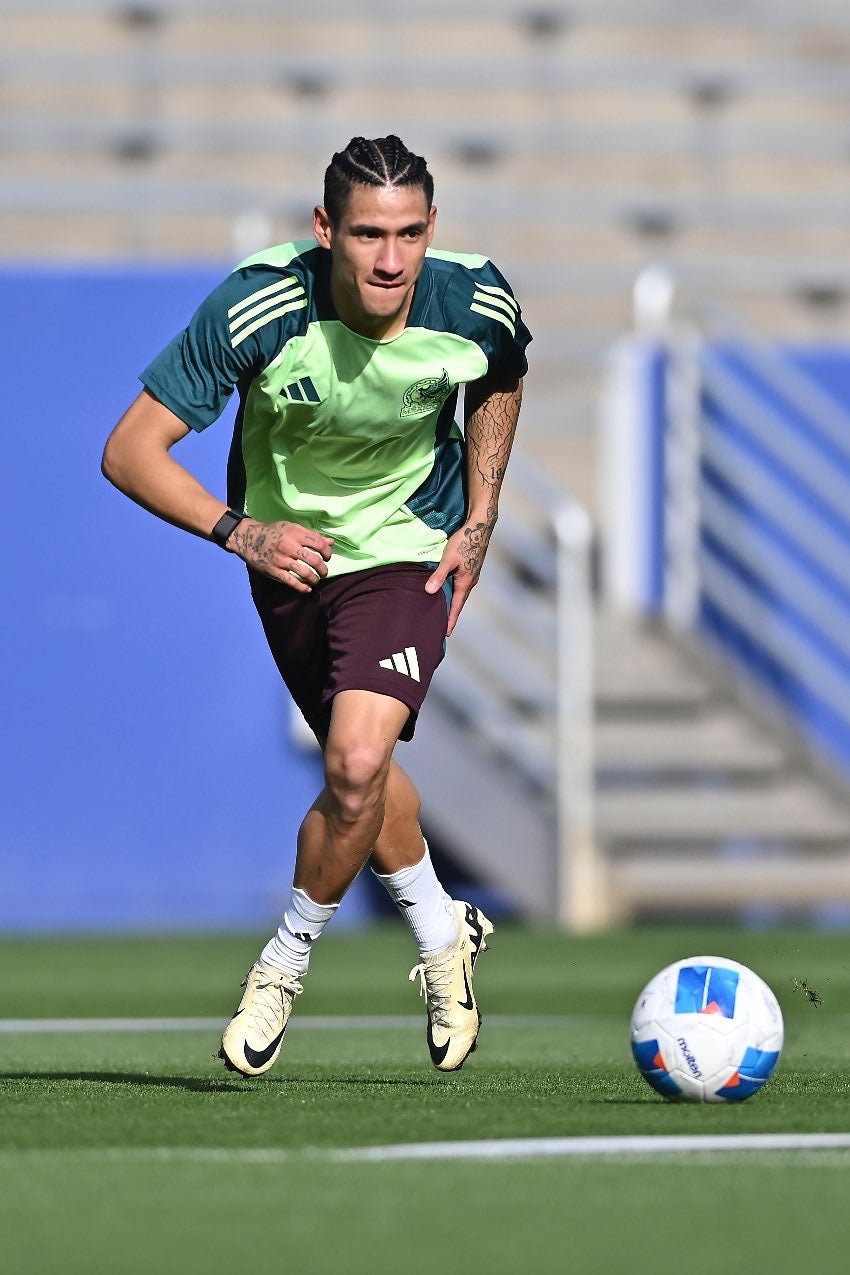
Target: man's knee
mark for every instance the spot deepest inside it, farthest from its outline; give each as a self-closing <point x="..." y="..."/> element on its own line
<point x="356" y="776"/>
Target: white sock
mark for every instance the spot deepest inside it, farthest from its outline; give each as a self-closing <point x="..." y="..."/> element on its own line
<point x="303" y="921"/>
<point x="423" y="903"/>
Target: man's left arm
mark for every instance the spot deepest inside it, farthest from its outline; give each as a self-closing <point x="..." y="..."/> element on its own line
<point x="491" y="414"/>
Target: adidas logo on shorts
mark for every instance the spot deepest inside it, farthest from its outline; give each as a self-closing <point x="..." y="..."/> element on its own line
<point x="404" y="662"/>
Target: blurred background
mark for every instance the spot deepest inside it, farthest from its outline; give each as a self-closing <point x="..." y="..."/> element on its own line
<point x="646" y="710"/>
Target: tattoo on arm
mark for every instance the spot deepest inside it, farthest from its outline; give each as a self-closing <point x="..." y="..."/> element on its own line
<point x="490" y="427"/>
<point x="475" y="541"/>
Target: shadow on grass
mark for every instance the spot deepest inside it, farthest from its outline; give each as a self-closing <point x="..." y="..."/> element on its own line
<point x="211" y="1084"/>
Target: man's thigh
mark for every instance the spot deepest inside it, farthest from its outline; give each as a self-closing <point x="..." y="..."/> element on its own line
<point x="375" y="630"/>
<point x="364" y="718"/>
<point x="295" y="626"/>
<point x="385" y="634"/>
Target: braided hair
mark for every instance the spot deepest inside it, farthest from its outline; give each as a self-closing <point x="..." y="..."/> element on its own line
<point x="381" y="161"/>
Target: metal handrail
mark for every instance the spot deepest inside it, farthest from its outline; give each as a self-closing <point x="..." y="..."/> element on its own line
<point x="775" y="434"/>
<point x="554" y="750"/>
<point x="772" y="493"/>
<point x="827" y="416"/>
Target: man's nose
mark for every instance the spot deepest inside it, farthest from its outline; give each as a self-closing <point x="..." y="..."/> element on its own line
<point x="389" y="259"/>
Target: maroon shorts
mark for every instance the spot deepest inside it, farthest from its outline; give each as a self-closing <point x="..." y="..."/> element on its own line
<point x="374" y="630"/>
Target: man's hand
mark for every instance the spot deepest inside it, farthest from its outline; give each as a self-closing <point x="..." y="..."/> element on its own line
<point x="463" y="558"/>
<point x="137" y="460"/>
<point x="285" y="551"/>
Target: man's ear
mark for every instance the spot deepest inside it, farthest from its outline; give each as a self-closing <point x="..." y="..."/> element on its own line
<point x="322" y="229"/>
<point x="432" y="217"/>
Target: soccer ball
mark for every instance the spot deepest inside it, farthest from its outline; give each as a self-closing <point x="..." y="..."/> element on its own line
<point x="707" y="1029"/>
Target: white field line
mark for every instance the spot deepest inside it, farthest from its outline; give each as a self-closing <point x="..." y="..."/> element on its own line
<point x="635" y="1145"/>
<point x="28" y="1026"/>
<point x="816" y="1147"/>
<point x="315" y="1022"/>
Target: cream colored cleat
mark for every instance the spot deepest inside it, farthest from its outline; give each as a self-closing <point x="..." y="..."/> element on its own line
<point x="446" y="983"/>
<point x="254" y="1035"/>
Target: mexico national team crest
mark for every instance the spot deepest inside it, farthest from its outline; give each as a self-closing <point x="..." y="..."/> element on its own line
<point x="425" y="395"/>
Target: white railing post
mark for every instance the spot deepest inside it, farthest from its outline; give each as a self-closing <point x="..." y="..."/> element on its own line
<point x="583" y="896"/>
<point x="682" y="481"/>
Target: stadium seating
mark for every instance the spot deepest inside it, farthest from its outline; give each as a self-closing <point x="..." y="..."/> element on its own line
<point x="592" y="136"/>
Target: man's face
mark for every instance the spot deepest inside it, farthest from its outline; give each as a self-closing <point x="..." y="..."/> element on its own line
<point x="377" y="253"/>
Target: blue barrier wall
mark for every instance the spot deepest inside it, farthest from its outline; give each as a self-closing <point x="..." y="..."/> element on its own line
<point x="775" y="536"/>
<point x="771" y="491"/>
<point x="148" y="775"/>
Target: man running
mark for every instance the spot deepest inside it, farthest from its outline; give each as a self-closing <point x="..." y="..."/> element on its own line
<point x="363" y="514"/>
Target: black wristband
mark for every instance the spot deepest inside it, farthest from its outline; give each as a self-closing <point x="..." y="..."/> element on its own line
<point x="226" y="524"/>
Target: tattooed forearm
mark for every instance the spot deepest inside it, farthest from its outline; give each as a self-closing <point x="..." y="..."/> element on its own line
<point x="474" y="546"/>
<point x="490" y="464"/>
<point x="491" y="417"/>
<point x="490" y="427"/>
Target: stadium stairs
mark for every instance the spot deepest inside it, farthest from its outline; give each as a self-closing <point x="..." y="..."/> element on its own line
<point x="704" y="804"/>
<point x="707" y="803"/>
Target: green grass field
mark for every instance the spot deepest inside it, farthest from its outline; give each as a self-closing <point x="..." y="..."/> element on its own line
<point x="135" y="1152"/>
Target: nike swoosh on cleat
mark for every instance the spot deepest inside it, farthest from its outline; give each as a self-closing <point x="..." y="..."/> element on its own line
<point x="437" y="1052"/>
<point x="469" y="1003"/>
<point x="476" y="938"/>
<point x="259" y="1057"/>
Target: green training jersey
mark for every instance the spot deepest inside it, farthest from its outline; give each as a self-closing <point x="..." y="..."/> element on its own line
<point x="351" y="437"/>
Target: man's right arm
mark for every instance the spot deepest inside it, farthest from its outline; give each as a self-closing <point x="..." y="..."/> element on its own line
<point x="137" y="460"/>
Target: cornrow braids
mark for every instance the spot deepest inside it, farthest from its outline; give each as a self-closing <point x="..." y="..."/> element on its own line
<point x="380" y="161"/>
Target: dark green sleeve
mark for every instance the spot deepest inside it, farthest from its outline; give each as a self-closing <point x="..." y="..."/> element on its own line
<point x="194" y="376"/>
<point x="505" y="352"/>
<point x="484" y="306"/>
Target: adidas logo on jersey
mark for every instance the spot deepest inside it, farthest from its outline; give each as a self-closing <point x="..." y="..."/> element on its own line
<point x="303" y="391"/>
<point x="497" y="304"/>
<point x="403" y="662"/>
<point x="265" y="305"/>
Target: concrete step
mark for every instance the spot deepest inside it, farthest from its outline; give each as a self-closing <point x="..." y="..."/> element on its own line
<point x="719" y="741"/>
<point x="661" y="885"/>
<point x="638" y="674"/>
<point x="796" y="813"/>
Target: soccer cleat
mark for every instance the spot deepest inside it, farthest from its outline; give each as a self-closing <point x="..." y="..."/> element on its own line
<point x="254" y="1035"/>
<point x="446" y="983"/>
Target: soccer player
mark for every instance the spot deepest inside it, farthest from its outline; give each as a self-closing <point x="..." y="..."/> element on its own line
<point x="363" y="514"/>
